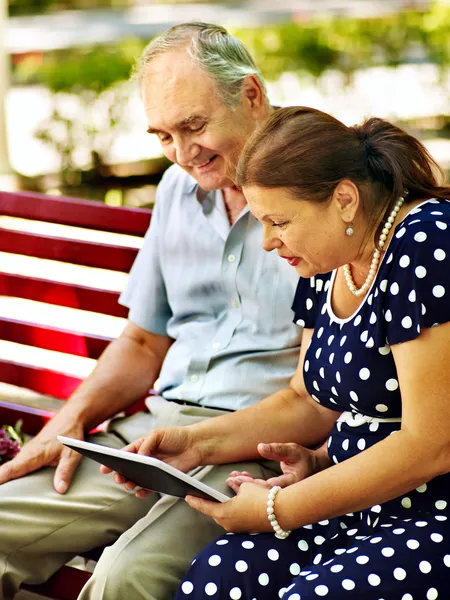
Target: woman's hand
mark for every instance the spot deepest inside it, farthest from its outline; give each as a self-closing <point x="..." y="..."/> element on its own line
<point x="246" y="512"/>
<point x="173" y="445"/>
<point x="296" y="462"/>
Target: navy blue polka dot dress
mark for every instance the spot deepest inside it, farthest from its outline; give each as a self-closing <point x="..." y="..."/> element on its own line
<point x="399" y="550"/>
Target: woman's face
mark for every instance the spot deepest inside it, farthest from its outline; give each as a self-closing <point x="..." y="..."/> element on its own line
<point x="310" y="236"/>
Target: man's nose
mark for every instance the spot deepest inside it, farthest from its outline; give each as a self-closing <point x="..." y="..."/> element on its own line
<point x="185" y="151"/>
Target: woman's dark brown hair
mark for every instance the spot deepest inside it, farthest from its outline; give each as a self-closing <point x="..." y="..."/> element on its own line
<point x="309" y="152"/>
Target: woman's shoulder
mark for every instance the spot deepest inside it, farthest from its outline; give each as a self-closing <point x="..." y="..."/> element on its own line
<point x="309" y="297"/>
<point x="423" y="230"/>
<point x="429" y="216"/>
<point x="413" y="284"/>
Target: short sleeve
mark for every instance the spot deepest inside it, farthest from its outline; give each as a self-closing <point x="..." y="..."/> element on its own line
<point x="309" y="298"/>
<point x="145" y="294"/>
<point x="414" y="286"/>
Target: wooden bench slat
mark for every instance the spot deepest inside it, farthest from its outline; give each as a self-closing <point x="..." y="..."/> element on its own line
<point x="33" y="419"/>
<point x="78" y="252"/>
<point x="44" y="381"/>
<point x="52" y="338"/>
<point x="63" y="294"/>
<point x="73" y="211"/>
<point x="58" y="284"/>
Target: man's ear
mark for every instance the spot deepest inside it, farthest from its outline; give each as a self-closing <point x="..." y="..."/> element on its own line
<point x="347" y="199"/>
<point x="253" y="97"/>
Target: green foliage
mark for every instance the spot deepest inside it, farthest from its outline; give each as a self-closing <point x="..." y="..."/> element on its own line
<point x="95" y="69"/>
<point x="348" y="44"/>
<point x="34" y="7"/>
<point x="311" y="47"/>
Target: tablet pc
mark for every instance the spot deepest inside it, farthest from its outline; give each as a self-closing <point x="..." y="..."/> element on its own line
<point x="145" y="471"/>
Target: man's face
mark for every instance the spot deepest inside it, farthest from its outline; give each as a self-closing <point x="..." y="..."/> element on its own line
<point x="196" y="130"/>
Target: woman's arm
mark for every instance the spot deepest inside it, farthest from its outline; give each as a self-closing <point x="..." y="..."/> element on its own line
<point x="289" y="415"/>
<point x="412" y="456"/>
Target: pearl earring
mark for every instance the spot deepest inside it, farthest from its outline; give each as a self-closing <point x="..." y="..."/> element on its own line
<point x="349" y="230"/>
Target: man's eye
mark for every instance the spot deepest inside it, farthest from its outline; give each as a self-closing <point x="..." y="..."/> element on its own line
<point x="197" y="129"/>
<point x="163" y="138"/>
<point x="280" y="224"/>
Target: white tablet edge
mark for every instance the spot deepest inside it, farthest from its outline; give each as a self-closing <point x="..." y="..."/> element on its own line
<point x="148" y="460"/>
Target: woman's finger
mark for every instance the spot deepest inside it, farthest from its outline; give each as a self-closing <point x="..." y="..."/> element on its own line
<point x="206" y="507"/>
<point x="282" y="480"/>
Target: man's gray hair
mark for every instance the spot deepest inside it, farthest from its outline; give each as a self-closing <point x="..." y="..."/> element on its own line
<point x="219" y="54"/>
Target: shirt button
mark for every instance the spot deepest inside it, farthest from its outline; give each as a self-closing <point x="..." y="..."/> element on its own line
<point x="231" y="258"/>
<point x="235" y="304"/>
<point x="194" y="378"/>
<point x="216" y="345"/>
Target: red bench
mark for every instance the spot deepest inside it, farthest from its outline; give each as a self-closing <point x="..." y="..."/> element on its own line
<point x="58" y="311"/>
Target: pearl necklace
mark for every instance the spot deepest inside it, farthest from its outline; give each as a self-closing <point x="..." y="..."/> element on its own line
<point x="376" y="254"/>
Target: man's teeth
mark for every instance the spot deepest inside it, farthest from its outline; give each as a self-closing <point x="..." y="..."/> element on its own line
<point x="206" y="163"/>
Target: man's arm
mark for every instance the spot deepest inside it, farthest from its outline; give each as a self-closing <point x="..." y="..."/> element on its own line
<point x="124" y="373"/>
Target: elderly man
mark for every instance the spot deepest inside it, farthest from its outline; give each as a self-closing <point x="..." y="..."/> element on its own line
<point x="209" y="316"/>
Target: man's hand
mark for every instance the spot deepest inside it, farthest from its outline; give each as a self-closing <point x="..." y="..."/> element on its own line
<point x="44" y="450"/>
<point x="246" y="512"/>
<point x="173" y="445"/>
<point x="296" y="462"/>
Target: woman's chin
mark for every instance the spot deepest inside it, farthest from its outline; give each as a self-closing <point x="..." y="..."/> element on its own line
<point x="306" y="271"/>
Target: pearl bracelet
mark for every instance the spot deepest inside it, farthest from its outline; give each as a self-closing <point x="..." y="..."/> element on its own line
<point x="280" y="533"/>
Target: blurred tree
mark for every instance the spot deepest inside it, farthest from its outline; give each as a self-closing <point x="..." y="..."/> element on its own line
<point x="349" y="44"/>
<point x="35" y="7"/>
<point x="89" y="97"/>
<point x="96" y="75"/>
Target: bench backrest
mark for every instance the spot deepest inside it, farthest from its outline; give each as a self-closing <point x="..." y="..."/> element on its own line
<point x="63" y="263"/>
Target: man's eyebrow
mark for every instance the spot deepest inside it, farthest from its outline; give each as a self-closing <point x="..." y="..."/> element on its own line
<point x="271" y="215"/>
<point x="184" y="123"/>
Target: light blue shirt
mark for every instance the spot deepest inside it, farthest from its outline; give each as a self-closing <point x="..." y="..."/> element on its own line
<point x="218" y="294"/>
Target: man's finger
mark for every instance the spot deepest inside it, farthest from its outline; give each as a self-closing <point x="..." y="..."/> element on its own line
<point x="18" y="467"/>
<point x="142" y="494"/>
<point x="65" y="470"/>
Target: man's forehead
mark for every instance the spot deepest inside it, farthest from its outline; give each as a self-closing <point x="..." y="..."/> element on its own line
<point x="173" y="68"/>
<point x="177" y="89"/>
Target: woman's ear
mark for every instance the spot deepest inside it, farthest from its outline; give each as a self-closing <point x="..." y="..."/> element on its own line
<point x="347" y="199"/>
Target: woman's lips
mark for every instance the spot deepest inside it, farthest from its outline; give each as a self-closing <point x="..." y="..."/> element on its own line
<point x="292" y="260"/>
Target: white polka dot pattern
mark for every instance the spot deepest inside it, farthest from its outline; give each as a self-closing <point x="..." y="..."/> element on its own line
<point x="349" y="366"/>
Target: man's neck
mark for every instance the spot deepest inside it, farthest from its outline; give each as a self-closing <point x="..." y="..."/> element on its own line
<point x="234" y="202"/>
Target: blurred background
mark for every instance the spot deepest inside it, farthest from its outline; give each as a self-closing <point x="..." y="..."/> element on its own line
<point x="72" y="124"/>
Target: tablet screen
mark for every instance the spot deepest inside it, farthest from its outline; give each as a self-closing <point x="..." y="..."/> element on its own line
<point x="146" y="472"/>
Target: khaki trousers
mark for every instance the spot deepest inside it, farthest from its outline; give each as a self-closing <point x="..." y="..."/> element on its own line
<point x="151" y="542"/>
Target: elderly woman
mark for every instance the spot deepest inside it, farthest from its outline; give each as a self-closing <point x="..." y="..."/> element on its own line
<point x="358" y="212"/>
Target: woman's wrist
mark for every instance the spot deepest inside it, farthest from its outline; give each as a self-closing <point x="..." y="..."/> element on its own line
<point x="280" y="533"/>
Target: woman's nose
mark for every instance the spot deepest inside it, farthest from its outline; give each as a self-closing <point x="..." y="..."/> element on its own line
<point x="270" y="241"/>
